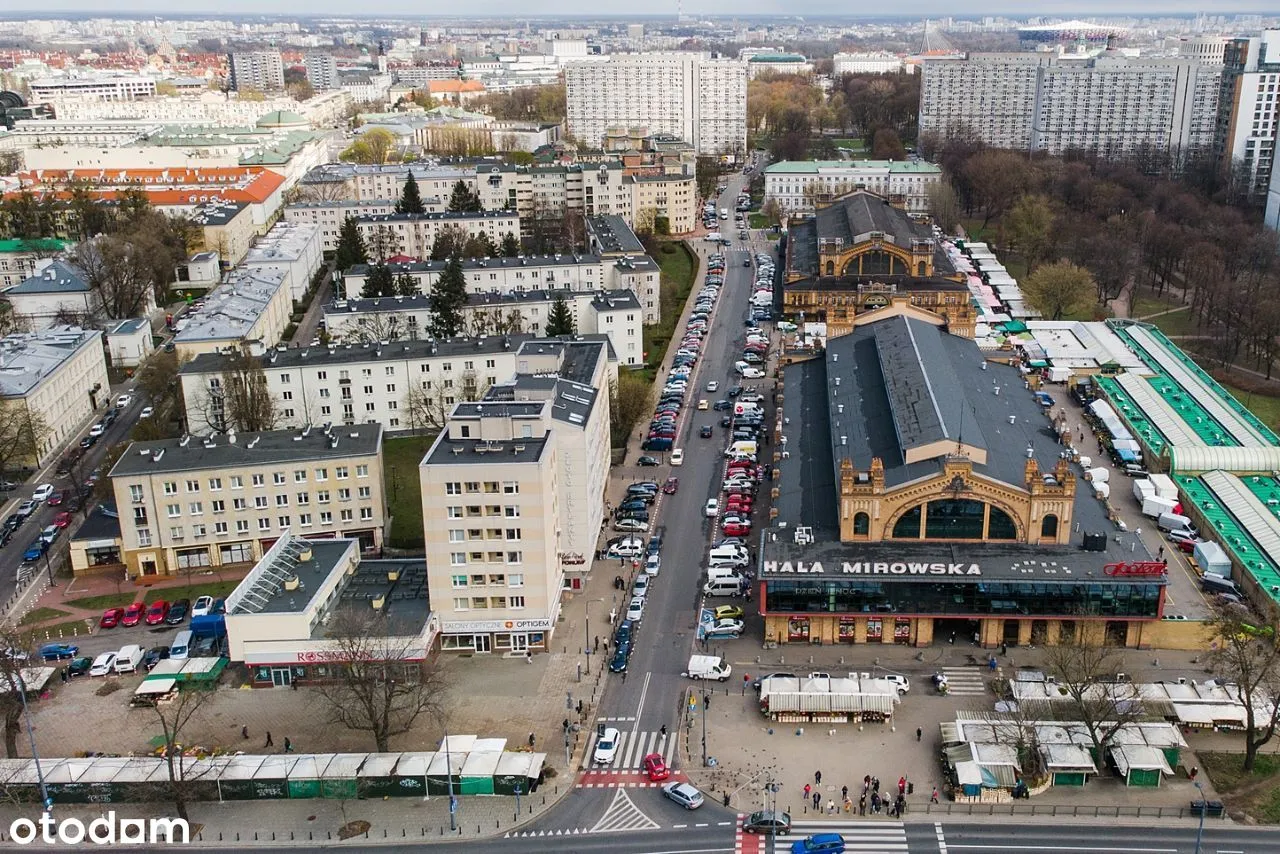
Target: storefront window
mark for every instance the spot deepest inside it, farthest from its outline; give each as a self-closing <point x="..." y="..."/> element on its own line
<point x="798" y="629"/>
<point x="875" y="630"/>
<point x="901" y="630"/>
<point x="236" y="553"/>
<point x="908" y="525"/>
<point x="955" y="519"/>
<point x="848" y="629"/>
<point x="189" y="558"/>
<point x="102" y="556"/>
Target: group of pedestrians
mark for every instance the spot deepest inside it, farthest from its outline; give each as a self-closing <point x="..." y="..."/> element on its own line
<point x="871" y="798"/>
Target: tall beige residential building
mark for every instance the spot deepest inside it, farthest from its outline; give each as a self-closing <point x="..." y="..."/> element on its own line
<point x="259" y="69"/>
<point x="196" y="502"/>
<point x="701" y="99"/>
<point x="513" y="499"/>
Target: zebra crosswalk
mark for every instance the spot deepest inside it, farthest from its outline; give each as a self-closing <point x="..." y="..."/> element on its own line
<point x="874" y="837"/>
<point x="966" y="681"/>
<point x="632" y="749"/>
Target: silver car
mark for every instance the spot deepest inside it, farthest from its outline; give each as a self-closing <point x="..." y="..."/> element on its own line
<point x="683" y="794"/>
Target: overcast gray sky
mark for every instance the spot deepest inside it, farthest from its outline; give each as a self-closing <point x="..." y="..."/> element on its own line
<point x="623" y="7"/>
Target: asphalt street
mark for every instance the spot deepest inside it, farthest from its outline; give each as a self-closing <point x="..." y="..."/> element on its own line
<point x="650" y="695"/>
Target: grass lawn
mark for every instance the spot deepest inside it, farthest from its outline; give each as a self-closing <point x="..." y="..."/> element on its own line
<point x="1257" y="794"/>
<point x="852" y="144"/>
<point x="39" y="615"/>
<point x="758" y="220"/>
<point x="679" y="266"/>
<point x="1264" y="406"/>
<point x="108" y="600"/>
<point x="197" y="588"/>
<point x="400" y="458"/>
<point x="1176" y="323"/>
<point x="973" y="227"/>
<point x="1144" y="302"/>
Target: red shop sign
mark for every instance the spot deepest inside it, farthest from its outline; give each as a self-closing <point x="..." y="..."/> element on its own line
<point x="1145" y="567"/>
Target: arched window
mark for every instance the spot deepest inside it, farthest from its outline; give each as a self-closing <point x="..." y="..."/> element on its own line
<point x="877" y="262"/>
<point x="921" y="268"/>
<point x="1000" y="525"/>
<point x="955" y="519"/>
<point x="831" y="268"/>
<point x="908" y="525"/>
<point x="861" y="524"/>
<point x="1049" y="527"/>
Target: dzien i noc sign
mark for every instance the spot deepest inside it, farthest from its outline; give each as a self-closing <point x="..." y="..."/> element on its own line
<point x="799" y="567"/>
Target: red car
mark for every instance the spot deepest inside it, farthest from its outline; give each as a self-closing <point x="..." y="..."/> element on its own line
<point x="737" y="529"/>
<point x="132" y="614"/>
<point x="670" y="487"/>
<point x="156" y="612"/>
<point x="738" y="502"/>
<point x="62" y="520"/>
<point x="110" y="618"/>
<point x="58" y="497"/>
<point x="655" y="768"/>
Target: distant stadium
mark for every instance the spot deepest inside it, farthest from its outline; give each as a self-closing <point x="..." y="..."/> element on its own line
<point x="1071" y="31"/>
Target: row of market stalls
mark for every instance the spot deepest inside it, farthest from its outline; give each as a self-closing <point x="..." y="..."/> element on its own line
<point x="170" y="674"/>
<point x="474" y="766"/>
<point x="822" y="698"/>
<point x="981" y="752"/>
<point x="994" y="293"/>
<point x="1122" y="442"/>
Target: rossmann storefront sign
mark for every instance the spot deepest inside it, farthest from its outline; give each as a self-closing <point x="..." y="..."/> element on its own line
<point x="799" y="567"/>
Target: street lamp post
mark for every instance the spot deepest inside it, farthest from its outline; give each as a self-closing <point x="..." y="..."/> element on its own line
<point x="48" y="564"/>
<point x="31" y="734"/>
<point x="1204" y="805"/>
<point x="448" y="773"/>
<point x="773" y="814"/>
<point x="517" y="801"/>
<point x="706" y="701"/>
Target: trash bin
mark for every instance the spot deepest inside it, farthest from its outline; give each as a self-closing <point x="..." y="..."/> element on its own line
<point x="1212" y="809"/>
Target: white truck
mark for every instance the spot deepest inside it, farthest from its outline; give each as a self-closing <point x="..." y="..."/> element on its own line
<point x="1165" y="487"/>
<point x="1155" y="506"/>
<point x="708" y="667"/>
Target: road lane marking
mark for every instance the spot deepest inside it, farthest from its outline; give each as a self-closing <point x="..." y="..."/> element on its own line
<point x="1091" y="848"/>
<point x="640" y="708"/>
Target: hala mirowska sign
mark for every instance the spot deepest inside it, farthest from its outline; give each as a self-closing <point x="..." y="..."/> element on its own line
<point x="799" y="567"/>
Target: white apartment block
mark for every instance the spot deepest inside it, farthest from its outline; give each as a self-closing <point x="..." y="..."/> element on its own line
<point x="294" y="246"/>
<point x="797" y="184"/>
<point x="1249" y="116"/>
<point x="59" y="377"/>
<point x="414" y="234"/>
<point x="495" y="277"/>
<point x="1041" y="101"/>
<point x="252" y="306"/>
<point x="196" y="502"/>
<point x="357" y="383"/>
<point x="513" y="499"/>
<point x="259" y="69"/>
<point x="690" y="95"/>
<point x="96" y="88"/>
<point x="615" y="314"/>
<point x="329" y="216"/>
<point x="866" y="63"/>
<point x="211" y="108"/>
<point x="322" y="71"/>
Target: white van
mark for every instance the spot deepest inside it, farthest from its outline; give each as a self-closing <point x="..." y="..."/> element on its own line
<point x="715" y="573"/>
<point x="745" y="449"/>
<point x="728" y="556"/>
<point x="128" y="658"/>
<point x="1174" y="522"/>
<point x="722" y="587"/>
<point x="181" y="646"/>
<point x="762" y="299"/>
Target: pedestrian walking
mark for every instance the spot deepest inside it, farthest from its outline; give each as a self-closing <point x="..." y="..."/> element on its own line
<point x="866" y="783"/>
<point x="919" y="733"/>
<point x="902" y="785"/>
<point x="875" y="803"/>
<point x="900" y="806"/>
<point x="862" y="804"/>
<point x="808" y="791"/>
<point x="564" y="725"/>
<point x="844" y="793"/>
<point x="531" y="740"/>
<point x="244" y="731"/>
<point x="817" y="800"/>
<point x="933" y="799"/>
<point x="288" y="745"/>
<point x="269" y="742"/>
<point x="817" y="778"/>
<point x="831" y="807"/>
<point x="848" y="805"/>
<point x="528" y="657"/>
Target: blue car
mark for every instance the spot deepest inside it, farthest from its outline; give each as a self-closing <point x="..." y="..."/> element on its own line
<point x="34" y="550"/>
<point x="58" y="651"/>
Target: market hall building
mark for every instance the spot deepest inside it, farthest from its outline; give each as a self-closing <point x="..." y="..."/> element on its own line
<point x="921" y="496"/>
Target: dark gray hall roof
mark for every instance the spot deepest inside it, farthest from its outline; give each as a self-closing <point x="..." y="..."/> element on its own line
<point x="861" y="212"/>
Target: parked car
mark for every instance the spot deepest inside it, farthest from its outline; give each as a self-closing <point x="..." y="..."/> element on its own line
<point x="712" y="507"/>
<point x="146" y="412"/>
<point x="156" y="612"/>
<point x="43" y="492"/>
<point x="132" y="614"/>
<point x="49" y="533"/>
<point x="58" y="497"/>
<point x="902" y="683"/>
<point x="79" y="666"/>
<point x="724" y="629"/>
<point x="58" y="651"/>
<point x="635" y="610"/>
<point x="177" y="612"/>
<point x="154" y="656"/>
<point x="683" y="794"/>
<point x="728" y="612"/>
<point x="621" y="656"/>
<point x="648" y="461"/>
<point x="202" y="607"/>
<point x="110" y="618"/>
<point x="124" y="400"/>
<point x="103" y="664"/>
<point x="35" y="550"/>
<point x="25" y="509"/>
<point x="62" y="520"/>
<point x="95" y="431"/>
<point x="670" y="487"/>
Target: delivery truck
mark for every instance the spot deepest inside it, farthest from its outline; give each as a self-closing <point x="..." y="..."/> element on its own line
<point x="1165" y="487"/>
<point x="708" y="667"/>
<point x="1155" y="506"/>
<point x="1143" y="489"/>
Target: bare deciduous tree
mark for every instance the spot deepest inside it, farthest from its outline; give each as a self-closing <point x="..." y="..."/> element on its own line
<point x="13" y="681"/>
<point x="1092" y="695"/>
<point x="246" y="399"/>
<point x="1247" y="657"/>
<point x="119" y="275"/>
<point x="173" y="717"/>
<point x="381" y="682"/>
<point x="22" y="435"/>
<point x="376" y="327"/>
<point x="426" y="409"/>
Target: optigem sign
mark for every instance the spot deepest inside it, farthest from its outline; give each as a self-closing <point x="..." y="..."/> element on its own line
<point x="800" y="567"/>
